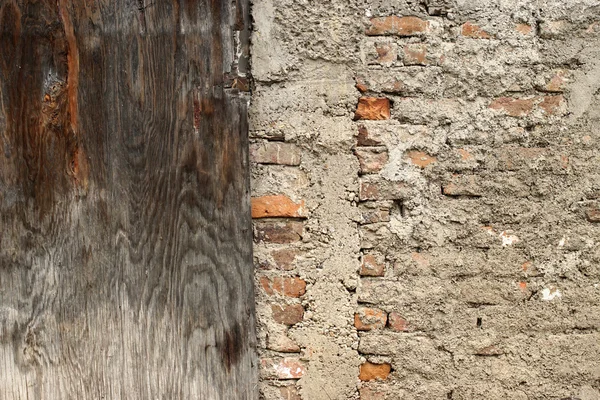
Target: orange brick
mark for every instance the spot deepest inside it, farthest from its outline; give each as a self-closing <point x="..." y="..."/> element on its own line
<point x="266" y="285"/>
<point x="287" y="314"/>
<point x="290" y="287"/>
<point x="513" y="106"/>
<point x="420" y="158"/>
<point x="366" y="319"/>
<point x="286" y="286"/>
<point x="373" y="108"/>
<point x="399" y="26"/>
<point x="474" y="31"/>
<point x="277" y="206"/>
<point x="370" y="371"/>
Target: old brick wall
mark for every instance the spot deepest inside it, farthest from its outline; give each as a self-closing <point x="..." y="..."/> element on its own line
<point x="426" y="198"/>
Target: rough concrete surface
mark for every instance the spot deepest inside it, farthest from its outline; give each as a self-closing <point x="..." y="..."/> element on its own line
<point x="444" y="158"/>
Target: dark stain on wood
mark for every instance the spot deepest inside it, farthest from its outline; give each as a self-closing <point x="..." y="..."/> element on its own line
<point x="233" y="346"/>
<point x="125" y="248"/>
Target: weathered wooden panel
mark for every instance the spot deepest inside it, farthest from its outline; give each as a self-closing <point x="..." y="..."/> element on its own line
<point x="125" y="240"/>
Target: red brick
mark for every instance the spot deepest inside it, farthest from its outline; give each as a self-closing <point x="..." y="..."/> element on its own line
<point x="397" y="323"/>
<point x="372" y="266"/>
<point x="513" y="106"/>
<point x="289" y="393"/>
<point x="287" y="314"/>
<point x="284" y="258"/>
<point x="372" y="214"/>
<point x="415" y="54"/>
<point x="285" y="368"/>
<point x="278" y="231"/>
<point x="420" y="158"/>
<point x="365" y="139"/>
<point x="373" y="108"/>
<point x="371" y="160"/>
<point x="399" y="26"/>
<point x="474" y="31"/>
<point x="275" y="153"/>
<point x="551" y="104"/>
<point x="382" y="190"/>
<point x="277" y="206"/>
<point x="266" y="284"/>
<point x="366" y="319"/>
<point x="370" y="371"/>
<point x="387" y="53"/>
<point x="287" y="286"/>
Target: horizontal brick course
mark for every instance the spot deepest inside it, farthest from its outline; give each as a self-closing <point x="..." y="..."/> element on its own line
<point x="370" y="371"/>
<point x="373" y="108"/>
<point x="278" y="231"/>
<point x="400" y="26"/>
<point x="275" y="153"/>
<point x="277" y="206"/>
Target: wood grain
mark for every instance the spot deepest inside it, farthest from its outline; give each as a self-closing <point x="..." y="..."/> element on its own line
<point x="125" y="240"/>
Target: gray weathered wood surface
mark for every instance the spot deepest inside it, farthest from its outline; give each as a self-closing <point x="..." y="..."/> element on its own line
<point x="125" y="240"/>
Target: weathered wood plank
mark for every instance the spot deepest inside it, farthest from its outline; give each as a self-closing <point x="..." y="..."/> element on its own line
<point x="125" y="240"/>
